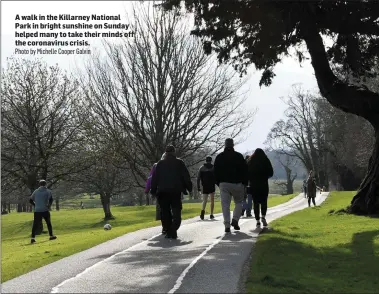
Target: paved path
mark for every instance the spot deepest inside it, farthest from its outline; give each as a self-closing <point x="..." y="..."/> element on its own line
<point x="204" y="259"/>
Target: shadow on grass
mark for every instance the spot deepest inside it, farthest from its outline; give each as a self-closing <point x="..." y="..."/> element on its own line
<point x="346" y="211"/>
<point x="286" y="266"/>
<point x="23" y="227"/>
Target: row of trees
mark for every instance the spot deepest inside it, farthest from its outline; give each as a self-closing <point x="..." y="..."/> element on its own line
<point x="341" y="38"/>
<point x="101" y="130"/>
<point x="336" y="145"/>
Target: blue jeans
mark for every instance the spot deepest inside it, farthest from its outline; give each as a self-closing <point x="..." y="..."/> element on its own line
<point x="248" y="205"/>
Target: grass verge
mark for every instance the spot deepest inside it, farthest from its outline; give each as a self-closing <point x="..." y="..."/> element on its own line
<point x="278" y="199"/>
<point x="77" y="230"/>
<point x="318" y="250"/>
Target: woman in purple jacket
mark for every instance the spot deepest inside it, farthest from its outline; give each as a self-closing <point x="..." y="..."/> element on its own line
<point x="147" y="190"/>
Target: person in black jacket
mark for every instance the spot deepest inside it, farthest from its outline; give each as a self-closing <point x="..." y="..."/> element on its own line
<point x="259" y="170"/>
<point x="170" y="179"/>
<point x="312" y="189"/>
<point x="247" y="204"/>
<point x="231" y="176"/>
<point x="206" y="177"/>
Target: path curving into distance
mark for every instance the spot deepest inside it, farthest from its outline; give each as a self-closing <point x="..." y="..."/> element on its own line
<point x="202" y="260"/>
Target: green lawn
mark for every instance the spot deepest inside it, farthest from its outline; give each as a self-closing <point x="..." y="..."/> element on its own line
<point x="278" y="199"/>
<point x="77" y="230"/>
<point x="318" y="250"/>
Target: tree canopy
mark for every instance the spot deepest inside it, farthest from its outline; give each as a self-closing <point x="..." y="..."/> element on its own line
<point x="263" y="32"/>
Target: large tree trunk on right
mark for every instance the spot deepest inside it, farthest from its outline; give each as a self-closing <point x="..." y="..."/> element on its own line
<point x="366" y="201"/>
<point x="351" y="99"/>
<point x="57" y="207"/>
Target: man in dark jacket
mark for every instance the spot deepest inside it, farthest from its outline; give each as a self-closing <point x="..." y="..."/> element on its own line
<point x="206" y="177"/>
<point x="170" y="179"/>
<point x="231" y="176"/>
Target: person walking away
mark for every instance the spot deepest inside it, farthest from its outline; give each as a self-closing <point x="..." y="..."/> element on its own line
<point x="312" y="187"/>
<point x="42" y="199"/>
<point x="170" y="179"/>
<point x="158" y="212"/>
<point x="247" y="204"/>
<point x="305" y="188"/>
<point x="206" y="178"/>
<point x="259" y="171"/>
<point x="231" y="176"/>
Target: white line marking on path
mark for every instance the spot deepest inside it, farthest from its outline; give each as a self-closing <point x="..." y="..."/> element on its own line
<point x="179" y="281"/>
<point x="56" y="288"/>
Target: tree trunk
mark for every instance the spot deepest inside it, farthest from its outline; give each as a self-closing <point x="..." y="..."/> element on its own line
<point x="9" y="207"/>
<point x="289" y="183"/>
<point x="289" y="187"/>
<point x="140" y="198"/>
<point x="106" y="203"/>
<point x="351" y="99"/>
<point x="57" y="203"/>
<point x="366" y="201"/>
<point x="147" y="199"/>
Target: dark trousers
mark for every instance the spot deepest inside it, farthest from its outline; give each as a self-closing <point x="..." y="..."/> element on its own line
<point x="171" y="211"/>
<point x="38" y="216"/>
<point x="260" y="202"/>
<point x="313" y="200"/>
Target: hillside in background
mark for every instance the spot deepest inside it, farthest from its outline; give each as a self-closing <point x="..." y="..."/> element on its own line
<point x="279" y="172"/>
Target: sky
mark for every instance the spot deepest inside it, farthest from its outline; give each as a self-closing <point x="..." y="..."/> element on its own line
<point x="265" y="100"/>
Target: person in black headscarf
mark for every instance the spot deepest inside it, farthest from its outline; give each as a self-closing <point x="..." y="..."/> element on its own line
<point x="259" y="171"/>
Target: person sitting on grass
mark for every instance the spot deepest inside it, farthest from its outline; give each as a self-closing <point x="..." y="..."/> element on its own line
<point x="42" y="200"/>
